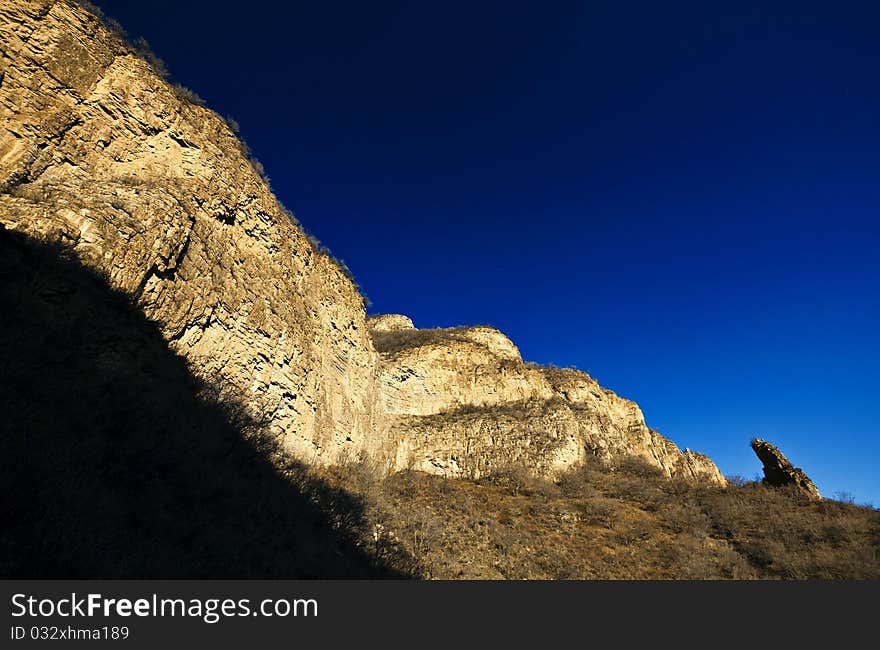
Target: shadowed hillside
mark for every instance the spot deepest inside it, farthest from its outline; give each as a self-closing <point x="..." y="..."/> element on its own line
<point x="115" y="462"/>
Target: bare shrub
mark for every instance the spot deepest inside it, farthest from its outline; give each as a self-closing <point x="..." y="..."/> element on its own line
<point x="142" y="48"/>
<point x="638" y="466"/>
<point x="399" y="340"/>
<point x="600" y="511"/>
<point x="844" y="497"/>
<point x="519" y="479"/>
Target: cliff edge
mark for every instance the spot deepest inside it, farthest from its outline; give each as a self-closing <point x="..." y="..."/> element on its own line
<point x="99" y="153"/>
<point x="461" y="402"/>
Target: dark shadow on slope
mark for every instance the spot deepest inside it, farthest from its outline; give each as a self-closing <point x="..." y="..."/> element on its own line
<point x="115" y="464"/>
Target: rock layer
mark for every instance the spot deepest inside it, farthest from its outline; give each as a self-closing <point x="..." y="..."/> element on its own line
<point x="779" y="472"/>
<point x="98" y="152"/>
<point x="463" y="403"/>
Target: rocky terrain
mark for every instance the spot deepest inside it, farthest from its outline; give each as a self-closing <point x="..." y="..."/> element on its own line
<point x="779" y="472"/>
<point x="154" y="192"/>
<point x="627" y="521"/>
<point x="462" y="403"/>
<point x="192" y="387"/>
<point x="116" y="462"/>
<point x="100" y="153"/>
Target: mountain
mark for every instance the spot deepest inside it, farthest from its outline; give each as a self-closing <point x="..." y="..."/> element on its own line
<point x="462" y="403"/>
<point x="157" y="194"/>
<point x="153" y="203"/>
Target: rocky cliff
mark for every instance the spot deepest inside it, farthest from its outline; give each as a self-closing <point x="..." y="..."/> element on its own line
<point x="99" y="153"/>
<point x="463" y="403"/>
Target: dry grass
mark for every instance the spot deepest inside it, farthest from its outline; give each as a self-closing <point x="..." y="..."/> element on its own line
<point x="400" y="340"/>
<point x="623" y="522"/>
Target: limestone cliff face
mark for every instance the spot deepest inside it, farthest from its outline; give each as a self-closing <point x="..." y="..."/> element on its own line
<point x="98" y="152"/>
<point x="463" y="403"/>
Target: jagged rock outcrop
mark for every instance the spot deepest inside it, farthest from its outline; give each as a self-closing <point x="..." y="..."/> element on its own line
<point x="779" y="472"/>
<point x="99" y="153"/>
<point x="464" y="403"/>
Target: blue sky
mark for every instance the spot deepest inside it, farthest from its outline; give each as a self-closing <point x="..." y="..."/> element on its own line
<point x="680" y="198"/>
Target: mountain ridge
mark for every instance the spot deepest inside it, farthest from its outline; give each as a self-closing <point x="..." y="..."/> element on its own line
<point x="155" y="192"/>
<point x="194" y="389"/>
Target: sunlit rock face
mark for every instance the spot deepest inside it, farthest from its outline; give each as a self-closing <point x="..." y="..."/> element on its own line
<point x="99" y="153"/>
<point x="462" y="402"/>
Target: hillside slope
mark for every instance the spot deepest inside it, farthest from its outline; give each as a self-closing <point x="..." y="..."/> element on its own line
<point x="626" y="523"/>
<point x="192" y="389"/>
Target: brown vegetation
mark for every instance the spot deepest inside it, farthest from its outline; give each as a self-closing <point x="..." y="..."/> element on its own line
<point x="623" y="522"/>
<point x="394" y="341"/>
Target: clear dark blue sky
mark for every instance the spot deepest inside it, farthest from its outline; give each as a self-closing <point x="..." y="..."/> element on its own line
<point x="679" y="198"/>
